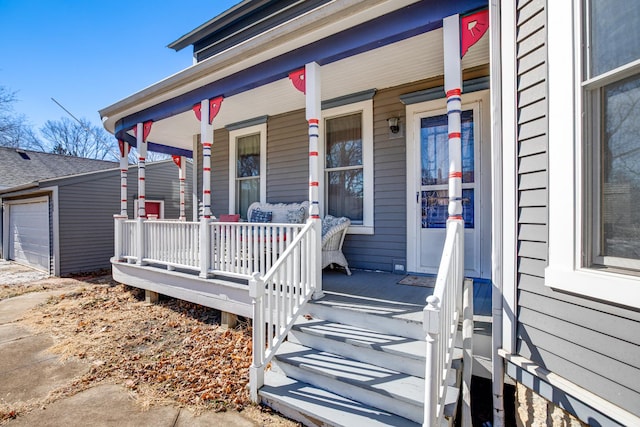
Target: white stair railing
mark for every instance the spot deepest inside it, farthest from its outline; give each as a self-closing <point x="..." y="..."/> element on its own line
<point x="278" y="298"/>
<point x="441" y="317"/>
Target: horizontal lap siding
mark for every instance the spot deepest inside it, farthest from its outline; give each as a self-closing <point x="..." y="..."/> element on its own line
<point x="219" y="173"/>
<point x="85" y="219"/>
<point x="594" y="345"/>
<point x="287" y="158"/>
<point x="86" y="206"/>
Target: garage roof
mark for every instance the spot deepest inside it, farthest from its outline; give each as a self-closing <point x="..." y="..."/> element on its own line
<point x="20" y="167"/>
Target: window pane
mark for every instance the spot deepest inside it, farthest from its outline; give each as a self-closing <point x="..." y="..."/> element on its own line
<point x="248" y="191"/>
<point x="344" y="141"/>
<point x="248" y="156"/>
<point x="346" y="193"/>
<point x="434" y="134"/>
<point x="615" y="32"/>
<point x="435" y="206"/>
<point x="620" y="166"/>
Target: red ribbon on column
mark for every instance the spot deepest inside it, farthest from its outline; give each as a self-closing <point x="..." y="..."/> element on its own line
<point x="177" y="160"/>
<point x="298" y="80"/>
<point x="146" y="129"/>
<point x="472" y="28"/>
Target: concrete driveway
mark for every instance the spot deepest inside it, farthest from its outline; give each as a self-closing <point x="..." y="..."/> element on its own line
<point x="29" y="373"/>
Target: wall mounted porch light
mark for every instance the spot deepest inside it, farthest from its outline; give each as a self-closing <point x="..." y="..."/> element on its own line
<point x="394" y="124"/>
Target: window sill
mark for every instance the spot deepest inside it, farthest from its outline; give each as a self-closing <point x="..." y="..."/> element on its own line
<point x="360" y="229"/>
<point x="603" y="285"/>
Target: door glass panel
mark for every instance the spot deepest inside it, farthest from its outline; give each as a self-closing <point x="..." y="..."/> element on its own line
<point x="435" y="170"/>
<point x="434" y="133"/>
<point x="435" y="204"/>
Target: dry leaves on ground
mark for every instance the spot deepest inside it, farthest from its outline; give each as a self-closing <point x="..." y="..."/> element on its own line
<point x="172" y="352"/>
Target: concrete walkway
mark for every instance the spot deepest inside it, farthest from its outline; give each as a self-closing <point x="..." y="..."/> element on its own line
<point x="28" y="373"/>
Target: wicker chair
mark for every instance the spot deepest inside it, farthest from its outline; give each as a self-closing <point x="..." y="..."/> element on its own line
<point x="334" y="231"/>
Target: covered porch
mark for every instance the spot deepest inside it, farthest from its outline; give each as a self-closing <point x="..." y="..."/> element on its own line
<point x="317" y="110"/>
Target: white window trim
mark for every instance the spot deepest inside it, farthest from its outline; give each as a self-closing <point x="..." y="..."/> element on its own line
<point x="366" y="108"/>
<point x="233" y="138"/>
<point x="135" y="206"/>
<point x="566" y="238"/>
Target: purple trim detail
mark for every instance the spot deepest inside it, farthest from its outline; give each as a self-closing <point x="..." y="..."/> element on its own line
<point x="401" y="24"/>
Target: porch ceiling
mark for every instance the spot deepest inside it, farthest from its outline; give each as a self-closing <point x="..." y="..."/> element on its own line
<point x="409" y="60"/>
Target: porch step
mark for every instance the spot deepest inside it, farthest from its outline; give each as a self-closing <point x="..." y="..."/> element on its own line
<point x="380" y="315"/>
<point x="316" y="407"/>
<point x="372" y="385"/>
<point x="388" y="351"/>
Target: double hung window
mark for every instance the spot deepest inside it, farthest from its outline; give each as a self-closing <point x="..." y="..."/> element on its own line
<point x="348" y="163"/>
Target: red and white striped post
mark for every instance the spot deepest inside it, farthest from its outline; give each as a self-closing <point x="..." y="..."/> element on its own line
<point x="453" y="89"/>
<point x="312" y="80"/>
<point x="141" y="145"/>
<point x="141" y="132"/>
<point x="206" y="138"/>
<point x="206" y="111"/>
<point x="124" y="168"/>
<point x="181" y="163"/>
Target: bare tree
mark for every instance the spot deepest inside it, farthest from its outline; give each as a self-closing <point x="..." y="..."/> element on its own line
<point x="15" y="130"/>
<point x="80" y="139"/>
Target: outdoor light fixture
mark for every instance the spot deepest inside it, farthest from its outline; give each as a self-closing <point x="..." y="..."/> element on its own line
<point x="394" y="124"/>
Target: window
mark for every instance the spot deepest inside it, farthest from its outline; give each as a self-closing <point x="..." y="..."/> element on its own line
<point x="348" y="163"/>
<point x="247" y="168"/>
<point x="594" y="165"/>
<point x="612" y="105"/>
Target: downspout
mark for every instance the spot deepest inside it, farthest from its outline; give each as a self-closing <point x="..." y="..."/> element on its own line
<point x="497" y="371"/>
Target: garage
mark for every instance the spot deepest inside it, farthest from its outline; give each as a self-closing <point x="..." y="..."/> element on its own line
<point x="29" y="232"/>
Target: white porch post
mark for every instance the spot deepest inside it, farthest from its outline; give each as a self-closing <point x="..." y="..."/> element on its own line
<point x="206" y="138"/>
<point x="120" y="218"/>
<point x="124" y="168"/>
<point x="313" y="114"/>
<point x="141" y="145"/>
<point x="182" y="173"/>
<point x="453" y="89"/>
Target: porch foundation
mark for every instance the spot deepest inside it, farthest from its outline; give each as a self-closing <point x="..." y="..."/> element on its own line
<point x="535" y="411"/>
<point x="228" y="320"/>
<point x="151" y="297"/>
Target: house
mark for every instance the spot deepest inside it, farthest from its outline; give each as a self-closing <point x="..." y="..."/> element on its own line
<point x="570" y="332"/>
<point x="361" y="108"/>
<point x="57" y="211"/>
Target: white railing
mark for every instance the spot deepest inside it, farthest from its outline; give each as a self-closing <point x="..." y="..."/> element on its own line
<point x="441" y="317"/>
<point x="247" y="248"/>
<point x="172" y="243"/>
<point x="206" y="247"/>
<point x="126" y="240"/>
<point x="279" y="296"/>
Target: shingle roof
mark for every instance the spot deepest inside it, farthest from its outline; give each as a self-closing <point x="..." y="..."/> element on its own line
<point x="20" y="167"/>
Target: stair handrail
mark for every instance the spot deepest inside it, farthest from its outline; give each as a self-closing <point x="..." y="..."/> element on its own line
<point x="441" y="317"/>
<point x="278" y="297"/>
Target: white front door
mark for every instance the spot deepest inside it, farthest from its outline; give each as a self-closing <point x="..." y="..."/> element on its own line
<point x="428" y="170"/>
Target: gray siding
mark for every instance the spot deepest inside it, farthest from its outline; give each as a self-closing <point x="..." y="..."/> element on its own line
<point x="287" y="158"/>
<point x="86" y="205"/>
<point x="594" y="345"/>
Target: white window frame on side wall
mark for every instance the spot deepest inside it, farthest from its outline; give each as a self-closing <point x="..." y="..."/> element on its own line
<point x="366" y="108"/>
<point x="568" y="237"/>
<point x="233" y="138"/>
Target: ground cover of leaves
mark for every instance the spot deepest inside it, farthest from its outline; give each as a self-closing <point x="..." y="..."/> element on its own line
<point x="172" y="352"/>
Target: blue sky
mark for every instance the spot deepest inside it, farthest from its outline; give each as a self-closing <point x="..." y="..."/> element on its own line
<point x="89" y="54"/>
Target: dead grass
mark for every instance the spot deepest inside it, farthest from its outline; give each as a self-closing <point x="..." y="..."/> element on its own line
<point x="172" y="352"/>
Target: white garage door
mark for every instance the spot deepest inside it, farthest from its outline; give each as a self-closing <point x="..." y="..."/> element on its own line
<point x="29" y="233"/>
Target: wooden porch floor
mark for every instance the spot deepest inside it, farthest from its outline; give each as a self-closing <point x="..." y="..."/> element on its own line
<point x="379" y="293"/>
